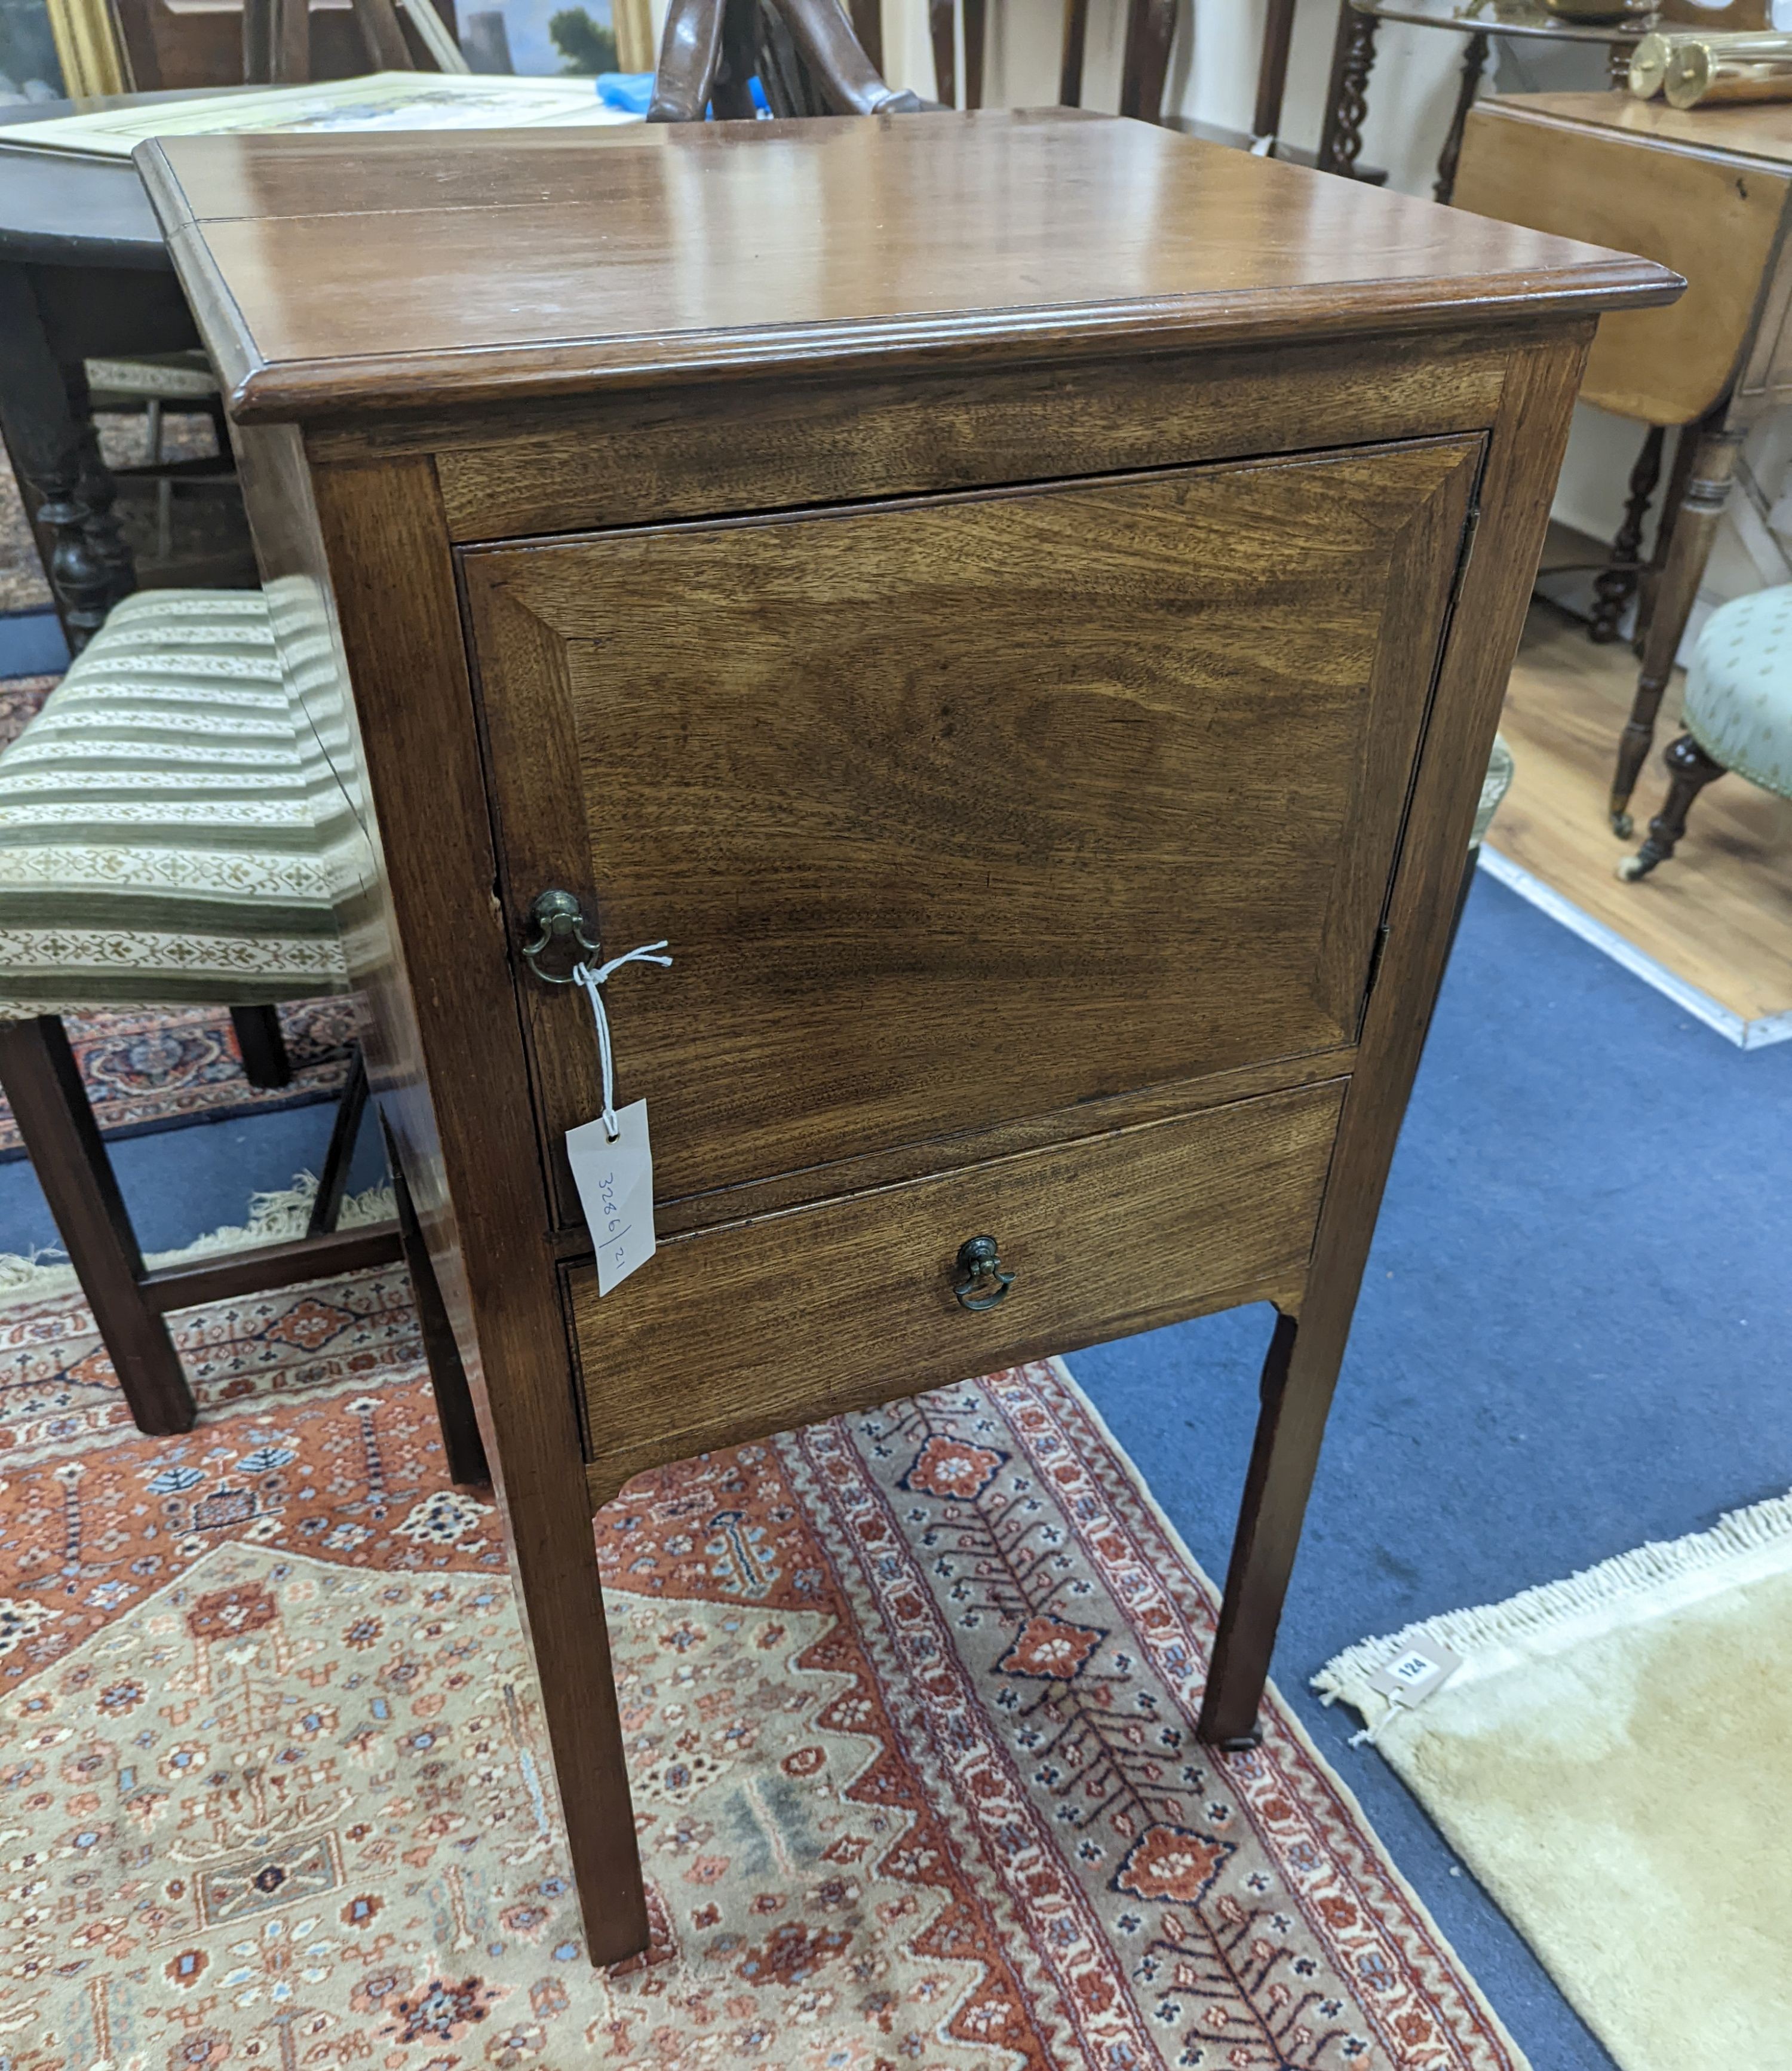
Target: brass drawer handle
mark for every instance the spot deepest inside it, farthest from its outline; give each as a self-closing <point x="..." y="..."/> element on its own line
<point x="984" y="1283"/>
<point x="560" y="930"/>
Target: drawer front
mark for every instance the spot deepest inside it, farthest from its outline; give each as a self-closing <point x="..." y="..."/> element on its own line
<point x="736" y="1332"/>
<point x="967" y="809"/>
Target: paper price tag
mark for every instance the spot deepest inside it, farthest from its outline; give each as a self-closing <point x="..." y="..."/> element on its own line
<point x="615" y="1180"/>
<point x="1411" y="1677"/>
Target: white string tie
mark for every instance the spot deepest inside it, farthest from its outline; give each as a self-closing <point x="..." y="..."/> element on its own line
<point x="593" y="981"/>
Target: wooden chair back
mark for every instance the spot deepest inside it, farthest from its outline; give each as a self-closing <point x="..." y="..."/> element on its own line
<point x="1150" y="27"/>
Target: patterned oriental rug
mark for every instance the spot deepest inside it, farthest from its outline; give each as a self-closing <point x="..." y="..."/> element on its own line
<point x="145" y="1071"/>
<point x="908" y="1698"/>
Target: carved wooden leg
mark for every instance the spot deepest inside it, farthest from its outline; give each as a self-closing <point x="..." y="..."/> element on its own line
<point x="67" y="492"/>
<point x="1695" y="526"/>
<point x="40" y="1076"/>
<point x="690" y="49"/>
<point x="1616" y="585"/>
<point x="1689" y="770"/>
<point x="1289" y="1426"/>
<point x="844" y="80"/>
<point x="1348" y="97"/>
<point x="1474" y="64"/>
<point x="942" y="25"/>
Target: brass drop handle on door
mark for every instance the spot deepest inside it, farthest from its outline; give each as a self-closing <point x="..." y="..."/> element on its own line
<point x="560" y="930"/>
<point x="984" y="1283"/>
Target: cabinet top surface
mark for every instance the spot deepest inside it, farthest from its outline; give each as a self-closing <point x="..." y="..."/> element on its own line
<point x="1736" y="130"/>
<point x="351" y="274"/>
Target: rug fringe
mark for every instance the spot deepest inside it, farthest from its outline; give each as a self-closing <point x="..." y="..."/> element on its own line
<point x="1545" y="1612"/>
<point x="275" y="1217"/>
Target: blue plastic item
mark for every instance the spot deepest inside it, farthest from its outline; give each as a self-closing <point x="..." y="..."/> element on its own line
<point x="629" y="91"/>
<point x="633" y="91"/>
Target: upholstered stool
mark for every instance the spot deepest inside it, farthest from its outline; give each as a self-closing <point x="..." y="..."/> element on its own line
<point x="171" y="833"/>
<point x="1737" y="715"/>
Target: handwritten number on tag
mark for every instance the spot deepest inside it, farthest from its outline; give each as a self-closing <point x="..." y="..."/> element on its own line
<point x="615" y="1180"/>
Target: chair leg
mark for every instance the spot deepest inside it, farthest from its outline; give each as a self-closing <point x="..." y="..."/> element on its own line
<point x="463" y="1448"/>
<point x="40" y="1079"/>
<point x="1689" y="770"/>
<point x="263" y="1048"/>
<point x="327" y="1205"/>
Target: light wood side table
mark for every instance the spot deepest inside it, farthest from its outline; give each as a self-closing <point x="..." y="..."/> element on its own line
<point x="1706" y="191"/>
<point x="1020" y="602"/>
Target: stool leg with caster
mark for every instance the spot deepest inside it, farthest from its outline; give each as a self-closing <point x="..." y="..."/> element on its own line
<point x="1689" y="770"/>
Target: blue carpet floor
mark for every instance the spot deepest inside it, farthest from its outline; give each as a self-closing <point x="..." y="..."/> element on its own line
<point x="1572" y="1337"/>
<point x="1575" y="1335"/>
<point x="31" y="644"/>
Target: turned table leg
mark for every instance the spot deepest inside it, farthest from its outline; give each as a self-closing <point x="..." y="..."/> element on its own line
<point x="68" y="492"/>
<point x="1695" y="528"/>
<point x="1616" y="584"/>
<point x="1348" y="97"/>
<point x="1474" y="64"/>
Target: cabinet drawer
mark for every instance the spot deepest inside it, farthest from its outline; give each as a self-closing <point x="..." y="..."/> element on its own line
<point x="966" y="809"/>
<point x="733" y="1333"/>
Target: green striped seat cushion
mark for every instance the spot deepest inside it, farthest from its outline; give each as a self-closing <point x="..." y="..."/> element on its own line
<point x="169" y="829"/>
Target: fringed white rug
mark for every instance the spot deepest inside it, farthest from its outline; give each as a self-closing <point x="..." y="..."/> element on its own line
<point x="276" y="1217"/>
<point x="1613" y="1759"/>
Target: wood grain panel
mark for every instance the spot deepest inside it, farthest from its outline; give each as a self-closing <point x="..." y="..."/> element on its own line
<point x="1676" y="200"/>
<point x="959" y="811"/>
<point x="1524" y="455"/>
<point x="381" y="272"/>
<point x="743" y="1331"/>
<point x="708" y="451"/>
<point x="921" y="1160"/>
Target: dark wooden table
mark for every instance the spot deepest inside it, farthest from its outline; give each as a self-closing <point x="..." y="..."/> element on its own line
<point x="84" y="274"/>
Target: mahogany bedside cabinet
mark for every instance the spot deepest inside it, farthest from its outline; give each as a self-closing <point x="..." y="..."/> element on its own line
<point x="1018" y="605"/>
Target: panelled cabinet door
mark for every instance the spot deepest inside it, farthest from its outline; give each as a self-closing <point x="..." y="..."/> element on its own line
<point x="963" y="810"/>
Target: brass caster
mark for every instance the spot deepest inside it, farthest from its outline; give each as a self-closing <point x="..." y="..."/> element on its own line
<point x="1634" y="867"/>
<point x="1623" y="826"/>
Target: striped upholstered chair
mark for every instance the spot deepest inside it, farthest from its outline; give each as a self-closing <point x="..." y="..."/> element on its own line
<point x="172" y="833"/>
